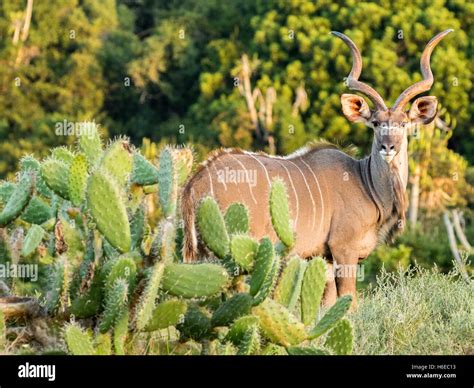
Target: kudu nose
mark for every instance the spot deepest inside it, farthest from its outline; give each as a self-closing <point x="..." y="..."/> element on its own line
<point x="387" y="147"/>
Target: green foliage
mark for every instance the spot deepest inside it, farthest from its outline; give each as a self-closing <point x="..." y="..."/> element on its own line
<point x="415" y="311"/>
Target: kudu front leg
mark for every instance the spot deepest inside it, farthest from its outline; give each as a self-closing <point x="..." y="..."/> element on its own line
<point x="346" y="279"/>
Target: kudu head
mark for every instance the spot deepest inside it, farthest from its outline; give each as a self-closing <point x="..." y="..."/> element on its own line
<point x="390" y="125"/>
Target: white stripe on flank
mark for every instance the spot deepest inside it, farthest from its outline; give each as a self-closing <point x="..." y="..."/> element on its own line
<point x="264" y="168"/>
<point x="320" y="193"/>
<point x="310" y="193"/>
<point x="210" y="180"/>
<point x="294" y="190"/>
<point x="242" y="165"/>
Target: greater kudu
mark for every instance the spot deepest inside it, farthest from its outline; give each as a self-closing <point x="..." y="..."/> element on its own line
<point x="341" y="207"/>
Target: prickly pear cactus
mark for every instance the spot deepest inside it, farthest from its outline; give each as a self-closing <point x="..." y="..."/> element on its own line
<point x="194" y="280"/>
<point x="112" y="263"/>
<point x="78" y="179"/>
<point x="115" y="305"/>
<point x="278" y="324"/>
<point x="78" y="341"/>
<point x="167" y="183"/>
<point x="312" y="290"/>
<point x="330" y="319"/>
<point x="106" y="203"/>
<point x="243" y="249"/>
<point x="280" y="213"/>
<point x="264" y="261"/>
<point x="32" y="240"/>
<point x="288" y="290"/>
<point x="56" y="175"/>
<point x="340" y="339"/>
<point x="18" y="200"/>
<point x="118" y="161"/>
<point x="212" y="227"/>
<point x="237" y="218"/>
<point x="233" y="308"/>
<point x="168" y="313"/>
<point x="146" y="304"/>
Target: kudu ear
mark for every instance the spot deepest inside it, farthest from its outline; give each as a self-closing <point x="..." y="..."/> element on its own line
<point x="355" y="108"/>
<point x="423" y="110"/>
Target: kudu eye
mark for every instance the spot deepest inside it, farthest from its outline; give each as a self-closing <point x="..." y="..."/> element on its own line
<point x="375" y="123"/>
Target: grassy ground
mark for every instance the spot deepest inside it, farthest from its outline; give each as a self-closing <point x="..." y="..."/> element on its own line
<point x="417" y="311"/>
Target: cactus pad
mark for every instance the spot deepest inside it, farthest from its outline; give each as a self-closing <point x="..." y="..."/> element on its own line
<point x="334" y="314"/>
<point x="280" y="213"/>
<point x="243" y="249"/>
<point x="19" y="199"/>
<point x="237" y="218"/>
<point x="288" y="289"/>
<point x="278" y="324"/>
<point x="314" y="282"/>
<point x="233" y="308"/>
<point x="212" y="228"/>
<point x="166" y="314"/>
<point x="194" y="280"/>
<point x="107" y="207"/>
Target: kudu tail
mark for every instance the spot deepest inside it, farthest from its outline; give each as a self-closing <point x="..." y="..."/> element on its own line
<point x="190" y="246"/>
